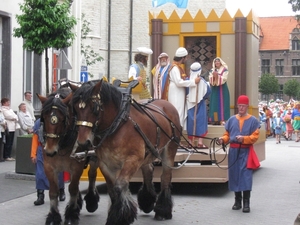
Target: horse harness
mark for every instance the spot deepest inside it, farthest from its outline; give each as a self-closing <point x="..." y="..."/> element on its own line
<point x="123" y="116"/>
<point x="54" y="120"/>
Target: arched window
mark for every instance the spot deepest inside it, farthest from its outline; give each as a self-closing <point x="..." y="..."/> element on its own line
<point x="295" y="43"/>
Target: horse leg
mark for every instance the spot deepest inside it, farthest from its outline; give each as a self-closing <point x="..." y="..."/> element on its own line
<point x="74" y="205"/>
<point x="53" y="217"/>
<point x="123" y="209"/>
<point x="164" y="204"/>
<point x="92" y="196"/>
<point x="146" y="195"/>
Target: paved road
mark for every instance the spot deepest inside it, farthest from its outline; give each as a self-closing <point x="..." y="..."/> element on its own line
<point x="275" y="197"/>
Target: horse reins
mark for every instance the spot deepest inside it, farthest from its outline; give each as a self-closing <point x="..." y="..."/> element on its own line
<point x="154" y="151"/>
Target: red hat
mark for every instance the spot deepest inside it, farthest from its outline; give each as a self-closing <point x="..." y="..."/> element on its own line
<point x="243" y="99"/>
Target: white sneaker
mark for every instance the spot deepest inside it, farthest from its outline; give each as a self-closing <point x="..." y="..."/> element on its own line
<point x="10" y="159"/>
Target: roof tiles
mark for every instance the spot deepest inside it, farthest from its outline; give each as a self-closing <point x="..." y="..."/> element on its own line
<point x="275" y="32"/>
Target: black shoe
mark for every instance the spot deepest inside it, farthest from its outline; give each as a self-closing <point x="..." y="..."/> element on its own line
<point x="62" y="195"/>
<point x="238" y="201"/>
<point x="246" y="209"/>
<point x="237" y="205"/>
<point x="40" y="199"/>
<point x="246" y="205"/>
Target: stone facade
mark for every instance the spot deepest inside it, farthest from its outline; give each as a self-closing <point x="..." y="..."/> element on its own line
<point x="120" y="54"/>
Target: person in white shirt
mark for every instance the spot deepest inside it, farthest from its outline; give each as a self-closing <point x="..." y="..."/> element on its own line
<point x="12" y="121"/>
<point x="2" y="130"/>
<point x="28" y="102"/>
<point x="25" y="120"/>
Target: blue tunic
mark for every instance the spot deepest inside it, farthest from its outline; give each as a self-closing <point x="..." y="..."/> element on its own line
<point x="197" y="123"/>
<point x="240" y="178"/>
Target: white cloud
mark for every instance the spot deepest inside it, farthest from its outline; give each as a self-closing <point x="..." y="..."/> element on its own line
<point x="262" y="8"/>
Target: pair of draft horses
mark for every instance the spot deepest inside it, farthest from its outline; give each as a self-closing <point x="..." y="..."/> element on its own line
<point x="125" y="136"/>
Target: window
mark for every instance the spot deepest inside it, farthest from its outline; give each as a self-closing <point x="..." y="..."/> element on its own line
<point x="265" y="66"/>
<point x="6" y="55"/>
<point x="279" y="67"/>
<point x="279" y="94"/>
<point x="296" y="67"/>
<point x="295" y="44"/>
<point x="28" y="70"/>
<point x="32" y="75"/>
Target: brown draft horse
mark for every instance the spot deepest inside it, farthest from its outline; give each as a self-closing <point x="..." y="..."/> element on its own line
<point x="131" y="136"/>
<point x="60" y="135"/>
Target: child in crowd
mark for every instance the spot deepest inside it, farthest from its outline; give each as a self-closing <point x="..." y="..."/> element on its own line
<point x="277" y="122"/>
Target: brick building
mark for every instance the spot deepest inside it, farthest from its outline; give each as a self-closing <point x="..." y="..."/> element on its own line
<point x="279" y="50"/>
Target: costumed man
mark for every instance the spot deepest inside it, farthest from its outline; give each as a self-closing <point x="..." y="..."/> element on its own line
<point x="278" y="124"/>
<point x="242" y="131"/>
<point x="41" y="180"/>
<point x="289" y="128"/>
<point x="296" y="121"/>
<point x="137" y="70"/>
<point x="175" y="87"/>
<point x="160" y="75"/>
<point x="269" y="116"/>
<point x="197" y="118"/>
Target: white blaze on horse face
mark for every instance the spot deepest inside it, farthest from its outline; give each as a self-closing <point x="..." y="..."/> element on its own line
<point x="85" y="134"/>
<point x="51" y="146"/>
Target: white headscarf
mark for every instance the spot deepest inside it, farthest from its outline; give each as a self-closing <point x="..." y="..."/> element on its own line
<point x="221" y="61"/>
<point x="197" y="92"/>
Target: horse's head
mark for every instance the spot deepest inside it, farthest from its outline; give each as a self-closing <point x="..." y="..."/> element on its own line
<point x="92" y="104"/>
<point x="55" y="117"/>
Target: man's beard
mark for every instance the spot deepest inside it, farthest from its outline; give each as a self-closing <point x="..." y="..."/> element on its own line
<point x="145" y="63"/>
<point x="163" y="63"/>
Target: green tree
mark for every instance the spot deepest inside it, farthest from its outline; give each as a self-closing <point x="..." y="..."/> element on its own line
<point x="45" y="24"/>
<point x="291" y="88"/>
<point x="268" y="84"/>
<point x="295" y="5"/>
<point x="89" y="54"/>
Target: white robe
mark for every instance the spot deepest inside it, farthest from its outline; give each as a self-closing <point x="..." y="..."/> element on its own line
<point x="177" y="93"/>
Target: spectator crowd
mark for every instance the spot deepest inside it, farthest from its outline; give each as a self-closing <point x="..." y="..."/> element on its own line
<point x="281" y="119"/>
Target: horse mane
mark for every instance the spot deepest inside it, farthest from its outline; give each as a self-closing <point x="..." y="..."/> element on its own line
<point x="108" y="93"/>
<point x="53" y="101"/>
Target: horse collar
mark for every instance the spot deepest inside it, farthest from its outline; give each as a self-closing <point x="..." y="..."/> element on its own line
<point x="119" y="119"/>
